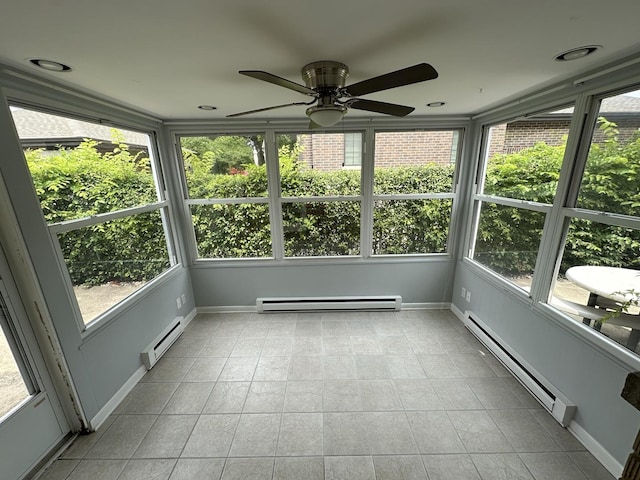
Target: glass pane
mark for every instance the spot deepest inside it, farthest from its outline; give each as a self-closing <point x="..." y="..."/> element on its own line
<point x="612" y="172"/>
<point x="232" y="231"/>
<point x="410" y="226"/>
<point x="109" y="261"/>
<point x="507" y="241"/>
<point x="415" y="162"/>
<point x="320" y="229"/>
<point x="524" y="157"/>
<point x="80" y="169"/>
<point x="13" y="389"/>
<point x="600" y="268"/>
<point x="226" y="166"/>
<point x="313" y="165"/>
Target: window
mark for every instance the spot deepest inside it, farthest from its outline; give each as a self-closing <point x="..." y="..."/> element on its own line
<point x="516" y="189"/>
<point x="352" y="149"/>
<point x="291" y="195"/>
<point x="227" y="194"/>
<point x="100" y="193"/>
<point x="599" y="266"/>
<point x="321" y="202"/>
<point x="413" y="191"/>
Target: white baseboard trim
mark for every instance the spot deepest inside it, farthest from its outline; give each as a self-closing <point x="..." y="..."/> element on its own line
<point x="426" y="306"/>
<point x="112" y="404"/>
<point x="190" y="316"/>
<point x="457" y="312"/>
<point x="597" y="450"/>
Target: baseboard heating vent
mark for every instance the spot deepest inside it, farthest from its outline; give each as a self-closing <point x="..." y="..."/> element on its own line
<point x="161" y="344"/>
<point x="319" y="304"/>
<point x="559" y="407"/>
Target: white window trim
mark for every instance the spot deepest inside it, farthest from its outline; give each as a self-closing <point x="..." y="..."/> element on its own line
<point x="275" y="200"/>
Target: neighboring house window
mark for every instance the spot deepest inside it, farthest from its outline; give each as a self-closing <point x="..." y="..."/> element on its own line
<point x="516" y="187"/>
<point x="352" y="149"/>
<point x="102" y="198"/>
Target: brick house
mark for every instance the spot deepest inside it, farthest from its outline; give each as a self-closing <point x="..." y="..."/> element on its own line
<point x="334" y="151"/>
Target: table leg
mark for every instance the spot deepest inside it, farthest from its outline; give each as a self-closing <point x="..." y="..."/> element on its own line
<point x="593" y="300"/>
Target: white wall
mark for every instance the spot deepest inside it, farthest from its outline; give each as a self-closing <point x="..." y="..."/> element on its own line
<point x="586" y="374"/>
<point x="102" y="362"/>
<point x="425" y="281"/>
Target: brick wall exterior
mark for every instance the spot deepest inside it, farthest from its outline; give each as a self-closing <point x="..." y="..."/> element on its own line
<point x="516" y="136"/>
<point x="325" y="152"/>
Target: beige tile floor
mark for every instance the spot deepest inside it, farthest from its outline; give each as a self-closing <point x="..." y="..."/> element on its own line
<point x="356" y="396"/>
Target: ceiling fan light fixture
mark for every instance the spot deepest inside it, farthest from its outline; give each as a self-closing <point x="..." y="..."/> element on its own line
<point x="326" y="115"/>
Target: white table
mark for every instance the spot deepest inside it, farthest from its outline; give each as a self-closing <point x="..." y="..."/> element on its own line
<point x="613" y="283"/>
<point x="607" y="282"/>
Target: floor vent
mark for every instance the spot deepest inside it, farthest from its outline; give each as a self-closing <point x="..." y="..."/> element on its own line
<point x="161" y="344"/>
<point x="319" y="304"/>
<point x="559" y="407"/>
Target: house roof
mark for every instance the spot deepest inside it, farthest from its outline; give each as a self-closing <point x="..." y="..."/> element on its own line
<point x="33" y="125"/>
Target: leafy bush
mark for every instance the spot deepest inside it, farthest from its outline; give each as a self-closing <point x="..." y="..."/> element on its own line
<point x="82" y="182"/>
<point x="507" y="236"/>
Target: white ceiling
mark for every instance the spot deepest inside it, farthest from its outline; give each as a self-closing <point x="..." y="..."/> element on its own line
<point x="167" y="57"/>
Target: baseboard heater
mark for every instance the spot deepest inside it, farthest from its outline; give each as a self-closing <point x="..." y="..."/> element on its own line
<point x="559" y="407"/>
<point x="161" y="344"/>
<point x="320" y="304"/>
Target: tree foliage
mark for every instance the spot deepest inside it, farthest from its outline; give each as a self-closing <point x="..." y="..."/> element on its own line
<point x="508" y="237"/>
<point x="82" y="182"/>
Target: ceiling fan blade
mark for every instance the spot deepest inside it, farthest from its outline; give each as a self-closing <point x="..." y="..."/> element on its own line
<point x="258" y="110"/>
<point x="281" y="82"/>
<point x="399" y="78"/>
<point x="380" y="107"/>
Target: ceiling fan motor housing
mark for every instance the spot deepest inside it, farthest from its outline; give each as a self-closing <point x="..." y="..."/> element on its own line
<point x="325" y="74"/>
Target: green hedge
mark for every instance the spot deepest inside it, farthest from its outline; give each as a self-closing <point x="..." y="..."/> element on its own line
<point x="75" y="183"/>
<point x="81" y="182"/>
<point x="509" y="237"/>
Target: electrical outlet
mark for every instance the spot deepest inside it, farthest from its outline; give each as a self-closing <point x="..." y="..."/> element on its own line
<point x="178" y="302"/>
<point x="468" y="295"/>
<point x="464" y="292"/>
<point x="184" y="299"/>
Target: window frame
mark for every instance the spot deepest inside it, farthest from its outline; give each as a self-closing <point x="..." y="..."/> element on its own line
<point x="366" y="197"/>
<point x="458" y="135"/>
<point x="162" y="205"/>
<point x="188" y="202"/>
<point x="478" y="197"/>
<point x="586" y="106"/>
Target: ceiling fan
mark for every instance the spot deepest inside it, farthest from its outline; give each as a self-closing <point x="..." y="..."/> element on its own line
<point x="325" y="82"/>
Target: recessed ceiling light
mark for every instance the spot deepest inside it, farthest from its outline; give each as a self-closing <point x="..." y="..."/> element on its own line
<point x="50" y="65"/>
<point x="436" y="104"/>
<point x="207" y="107"/>
<point x="576" y="53"/>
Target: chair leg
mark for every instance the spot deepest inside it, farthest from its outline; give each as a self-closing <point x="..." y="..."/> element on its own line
<point x="634" y="338"/>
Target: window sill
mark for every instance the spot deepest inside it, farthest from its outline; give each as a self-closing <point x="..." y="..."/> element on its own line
<point x="114" y="313"/>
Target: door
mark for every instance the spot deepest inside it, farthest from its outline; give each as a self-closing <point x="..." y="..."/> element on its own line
<point x="32" y="422"/>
